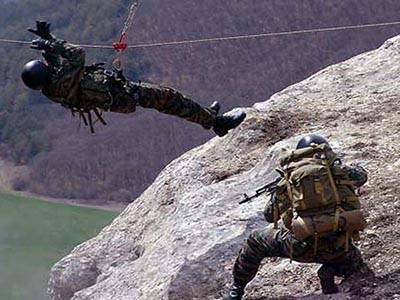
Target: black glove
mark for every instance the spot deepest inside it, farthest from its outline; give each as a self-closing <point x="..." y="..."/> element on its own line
<point x="42" y="30"/>
<point x="40" y="44"/>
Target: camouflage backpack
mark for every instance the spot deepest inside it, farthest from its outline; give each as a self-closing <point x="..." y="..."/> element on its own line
<point x="322" y="199"/>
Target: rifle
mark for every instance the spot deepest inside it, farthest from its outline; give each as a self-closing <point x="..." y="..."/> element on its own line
<point x="269" y="189"/>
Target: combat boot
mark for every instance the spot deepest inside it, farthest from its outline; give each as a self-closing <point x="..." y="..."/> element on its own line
<point x="326" y="276"/>
<point x="236" y="292"/>
<point x="227" y="122"/>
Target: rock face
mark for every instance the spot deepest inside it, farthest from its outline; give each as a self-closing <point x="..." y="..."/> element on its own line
<point x="179" y="239"/>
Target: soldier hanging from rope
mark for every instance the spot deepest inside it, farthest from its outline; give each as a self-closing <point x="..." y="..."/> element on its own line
<point x="65" y="79"/>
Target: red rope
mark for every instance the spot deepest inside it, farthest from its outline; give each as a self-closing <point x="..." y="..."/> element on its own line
<point x="121" y="45"/>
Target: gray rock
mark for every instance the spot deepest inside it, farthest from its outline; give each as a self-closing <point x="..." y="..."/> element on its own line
<point x="72" y="275"/>
<point x="178" y="240"/>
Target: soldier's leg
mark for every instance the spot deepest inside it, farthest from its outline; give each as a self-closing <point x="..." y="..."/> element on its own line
<point x="342" y="266"/>
<point x="127" y="96"/>
<point x="352" y="262"/>
<point x="326" y="275"/>
<point x="259" y="245"/>
<point x="169" y="101"/>
<point x="264" y="243"/>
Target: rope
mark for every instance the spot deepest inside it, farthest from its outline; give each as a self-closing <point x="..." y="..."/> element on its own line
<point x="132" y="12"/>
<point x="229" y="38"/>
<point x="262" y="35"/>
<point x="13" y="41"/>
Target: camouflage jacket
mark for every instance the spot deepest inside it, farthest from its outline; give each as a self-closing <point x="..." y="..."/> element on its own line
<point x="81" y="87"/>
<point x="67" y="65"/>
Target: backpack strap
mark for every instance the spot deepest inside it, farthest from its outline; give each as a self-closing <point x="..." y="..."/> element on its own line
<point x="290" y="195"/>
<point x="335" y="193"/>
<point x="338" y="209"/>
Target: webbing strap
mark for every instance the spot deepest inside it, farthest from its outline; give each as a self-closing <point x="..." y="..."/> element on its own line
<point x="333" y="183"/>
<point x="315" y="243"/>
<point x="336" y="222"/>
<point x="290" y="194"/>
<point x="335" y="194"/>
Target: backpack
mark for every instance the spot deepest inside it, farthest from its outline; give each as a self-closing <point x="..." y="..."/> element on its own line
<point x="322" y="199"/>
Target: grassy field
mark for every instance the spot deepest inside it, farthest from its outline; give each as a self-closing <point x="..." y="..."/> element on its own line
<point x="33" y="236"/>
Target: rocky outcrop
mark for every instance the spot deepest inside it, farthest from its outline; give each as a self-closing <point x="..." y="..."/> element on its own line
<point x="178" y="240"/>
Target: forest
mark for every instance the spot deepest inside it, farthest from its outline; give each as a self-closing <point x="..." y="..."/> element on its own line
<point x="122" y="159"/>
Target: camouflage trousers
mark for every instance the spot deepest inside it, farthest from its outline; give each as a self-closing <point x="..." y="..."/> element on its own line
<point x="272" y="242"/>
<point x="165" y="100"/>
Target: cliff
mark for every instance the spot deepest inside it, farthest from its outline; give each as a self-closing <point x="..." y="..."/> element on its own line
<point x="178" y="240"/>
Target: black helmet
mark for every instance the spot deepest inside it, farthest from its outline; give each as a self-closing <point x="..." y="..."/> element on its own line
<point x="309" y="139"/>
<point x="35" y="74"/>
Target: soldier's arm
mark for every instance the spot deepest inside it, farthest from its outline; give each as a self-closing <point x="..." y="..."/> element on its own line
<point x="278" y="204"/>
<point x="276" y="208"/>
<point x="64" y="57"/>
<point x="357" y="174"/>
<point x="269" y="209"/>
<point x="58" y="53"/>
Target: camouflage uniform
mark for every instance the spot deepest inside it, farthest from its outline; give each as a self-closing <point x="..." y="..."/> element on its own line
<point x="271" y="242"/>
<point x="86" y="88"/>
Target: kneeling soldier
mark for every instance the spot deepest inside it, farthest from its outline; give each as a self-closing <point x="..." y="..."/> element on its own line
<point x="317" y="203"/>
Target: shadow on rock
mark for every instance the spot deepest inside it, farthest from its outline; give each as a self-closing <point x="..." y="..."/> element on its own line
<point x="208" y="276"/>
<point x="365" y="284"/>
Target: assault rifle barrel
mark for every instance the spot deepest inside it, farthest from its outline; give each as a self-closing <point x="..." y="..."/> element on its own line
<point x="269" y="189"/>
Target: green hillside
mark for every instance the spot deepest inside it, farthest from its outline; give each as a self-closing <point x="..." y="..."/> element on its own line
<point x="123" y="158"/>
<point x="23" y="113"/>
<point x="35" y="234"/>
